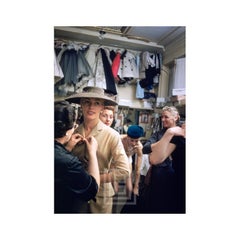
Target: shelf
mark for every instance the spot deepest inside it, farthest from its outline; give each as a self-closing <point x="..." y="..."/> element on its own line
<point x="137" y="108"/>
<point x="92" y="37"/>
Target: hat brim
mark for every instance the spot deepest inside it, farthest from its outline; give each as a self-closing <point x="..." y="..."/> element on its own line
<point x="77" y="97"/>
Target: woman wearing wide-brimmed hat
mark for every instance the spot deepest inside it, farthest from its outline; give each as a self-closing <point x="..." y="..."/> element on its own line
<point x="92" y="101"/>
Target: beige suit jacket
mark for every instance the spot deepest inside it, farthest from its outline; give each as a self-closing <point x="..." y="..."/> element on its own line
<point x="109" y="147"/>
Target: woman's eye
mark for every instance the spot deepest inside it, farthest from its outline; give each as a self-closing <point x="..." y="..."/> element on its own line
<point x="86" y="102"/>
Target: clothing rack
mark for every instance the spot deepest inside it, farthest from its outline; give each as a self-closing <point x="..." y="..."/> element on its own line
<point x="77" y="45"/>
<point x="110" y="40"/>
<point x="72" y="44"/>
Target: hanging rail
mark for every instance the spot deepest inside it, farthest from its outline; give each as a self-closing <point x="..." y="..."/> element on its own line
<point x="109" y="39"/>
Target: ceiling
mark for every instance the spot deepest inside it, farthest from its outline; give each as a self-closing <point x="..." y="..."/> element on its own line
<point x="134" y="37"/>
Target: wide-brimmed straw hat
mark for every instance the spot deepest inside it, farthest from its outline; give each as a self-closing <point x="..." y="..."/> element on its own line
<point x="92" y="92"/>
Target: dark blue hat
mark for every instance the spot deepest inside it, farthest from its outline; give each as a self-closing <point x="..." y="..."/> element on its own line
<point x="135" y="131"/>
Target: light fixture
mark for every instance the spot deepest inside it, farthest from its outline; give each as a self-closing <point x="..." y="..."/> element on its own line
<point x="101" y="34"/>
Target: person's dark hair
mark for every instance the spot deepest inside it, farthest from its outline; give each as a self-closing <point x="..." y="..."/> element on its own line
<point x="64" y="118"/>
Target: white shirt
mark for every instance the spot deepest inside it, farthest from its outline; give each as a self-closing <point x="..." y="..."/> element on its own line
<point x="145" y="165"/>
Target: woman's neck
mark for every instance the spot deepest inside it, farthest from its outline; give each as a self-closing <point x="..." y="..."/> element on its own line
<point x="61" y="140"/>
<point x="88" y="126"/>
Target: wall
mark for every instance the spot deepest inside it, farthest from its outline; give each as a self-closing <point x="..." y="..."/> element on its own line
<point x="174" y="50"/>
<point x="127" y="96"/>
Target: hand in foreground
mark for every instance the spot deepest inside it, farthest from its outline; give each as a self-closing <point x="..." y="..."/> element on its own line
<point x="177" y="131"/>
<point x="91" y="144"/>
<point x="138" y="148"/>
<point x="135" y="191"/>
<point x="75" y="138"/>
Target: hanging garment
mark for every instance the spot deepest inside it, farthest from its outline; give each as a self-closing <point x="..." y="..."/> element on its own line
<point x="116" y="65"/>
<point x="139" y="91"/>
<point x="146" y="61"/>
<point x="148" y="81"/>
<point x="120" y="69"/>
<point x="129" y="68"/>
<point x="110" y="83"/>
<point x="91" y="55"/>
<point x="98" y="79"/>
<point x="158" y="62"/>
<point x="148" y="95"/>
<point x="107" y="51"/>
<point x="84" y="69"/>
<point x="138" y="63"/>
<point x="112" y="55"/>
<point x="69" y="66"/>
<point x="60" y="53"/>
<point x="152" y="65"/>
<point x="179" y="73"/>
<point x="58" y="73"/>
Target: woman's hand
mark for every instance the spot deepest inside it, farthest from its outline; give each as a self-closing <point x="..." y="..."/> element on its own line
<point x="135" y="190"/>
<point x="177" y="131"/>
<point x="91" y="144"/>
<point x="75" y="138"/>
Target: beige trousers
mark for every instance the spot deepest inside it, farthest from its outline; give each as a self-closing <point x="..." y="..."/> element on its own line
<point x="102" y="205"/>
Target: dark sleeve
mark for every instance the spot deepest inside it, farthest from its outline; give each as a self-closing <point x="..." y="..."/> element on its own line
<point x="154" y="138"/>
<point x="178" y="141"/>
<point x="77" y="180"/>
<point x="175" y="140"/>
<point x="147" y="146"/>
